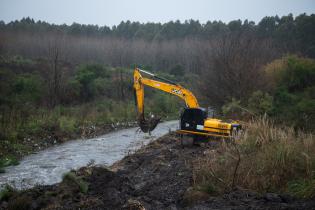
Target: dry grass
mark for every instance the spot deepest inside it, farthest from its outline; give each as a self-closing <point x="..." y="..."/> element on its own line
<point x="266" y="158"/>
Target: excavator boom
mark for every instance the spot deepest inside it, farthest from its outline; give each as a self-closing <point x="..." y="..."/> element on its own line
<point x="169" y="87"/>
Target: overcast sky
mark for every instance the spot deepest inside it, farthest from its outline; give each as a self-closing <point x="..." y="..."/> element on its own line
<point x="112" y="12"/>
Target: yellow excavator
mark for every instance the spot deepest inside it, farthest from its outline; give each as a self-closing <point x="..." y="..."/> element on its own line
<point x="194" y="120"/>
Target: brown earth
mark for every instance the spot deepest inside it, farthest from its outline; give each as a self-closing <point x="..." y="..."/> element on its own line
<point x="158" y="176"/>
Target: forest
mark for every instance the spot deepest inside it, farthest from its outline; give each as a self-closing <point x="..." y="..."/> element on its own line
<point x="57" y="80"/>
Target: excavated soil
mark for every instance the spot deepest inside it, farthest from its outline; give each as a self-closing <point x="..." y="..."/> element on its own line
<point x="158" y="176"/>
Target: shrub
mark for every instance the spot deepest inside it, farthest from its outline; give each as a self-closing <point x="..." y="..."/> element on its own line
<point x="33" y="127"/>
<point x="164" y="104"/>
<point x="8" y="160"/>
<point x="292" y="82"/>
<point x="232" y="107"/>
<point x="27" y="88"/>
<point x="73" y="88"/>
<point x="260" y="103"/>
<point x="302" y="188"/>
<point x="289" y="96"/>
<point x="73" y="178"/>
<point x="6" y="193"/>
<point x="67" y="124"/>
<point x="86" y="76"/>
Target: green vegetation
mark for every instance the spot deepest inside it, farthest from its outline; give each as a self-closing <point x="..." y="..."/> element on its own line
<point x="6" y="193"/>
<point x="7" y="161"/>
<point x="288" y="97"/>
<point x="72" y="178"/>
<point x="260" y="102"/>
<point x="302" y="188"/>
<point x="294" y="99"/>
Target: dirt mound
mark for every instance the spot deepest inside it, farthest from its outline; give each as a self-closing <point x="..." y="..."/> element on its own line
<point x="158" y="176"/>
<point x="160" y="173"/>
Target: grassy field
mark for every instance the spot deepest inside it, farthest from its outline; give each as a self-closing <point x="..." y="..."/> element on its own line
<point x="265" y="158"/>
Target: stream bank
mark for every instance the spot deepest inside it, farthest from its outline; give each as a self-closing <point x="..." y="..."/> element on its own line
<point x="11" y="153"/>
<point x="157" y="176"/>
<point x="47" y="166"/>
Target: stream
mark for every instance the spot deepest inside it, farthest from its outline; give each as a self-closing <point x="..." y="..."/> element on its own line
<point x="48" y="166"/>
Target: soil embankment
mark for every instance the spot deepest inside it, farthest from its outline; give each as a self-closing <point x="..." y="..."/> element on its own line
<point x="158" y="176"/>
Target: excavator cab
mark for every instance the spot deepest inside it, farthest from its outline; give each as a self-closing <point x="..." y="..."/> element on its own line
<point x="192" y="119"/>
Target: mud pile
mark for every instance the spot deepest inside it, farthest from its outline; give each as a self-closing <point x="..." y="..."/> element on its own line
<point x="158" y="176"/>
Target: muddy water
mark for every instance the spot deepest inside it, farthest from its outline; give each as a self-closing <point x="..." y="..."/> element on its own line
<point x="48" y="166"/>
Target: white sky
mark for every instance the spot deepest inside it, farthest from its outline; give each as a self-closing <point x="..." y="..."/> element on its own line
<point x="112" y="12"/>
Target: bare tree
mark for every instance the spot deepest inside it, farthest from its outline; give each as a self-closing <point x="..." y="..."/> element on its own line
<point x="55" y="54"/>
<point x="234" y="67"/>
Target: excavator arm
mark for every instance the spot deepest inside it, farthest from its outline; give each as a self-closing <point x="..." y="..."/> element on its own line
<point x="167" y="86"/>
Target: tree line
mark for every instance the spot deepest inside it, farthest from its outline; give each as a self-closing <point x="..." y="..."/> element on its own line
<point x="289" y="33"/>
<point x="285" y="28"/>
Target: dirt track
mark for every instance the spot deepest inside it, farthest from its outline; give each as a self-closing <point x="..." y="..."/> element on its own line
<point x="158" y="176"/>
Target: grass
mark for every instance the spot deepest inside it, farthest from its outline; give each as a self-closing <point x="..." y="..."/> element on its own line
<point x="73" y="178"/>
<point x="19" y="201"/>
<point x="7" y="161"/>
<point x="6" y="193"/>
<point x="68" y="120"/>
<point x="302" y="188"/>
<point x="266" y="158"/>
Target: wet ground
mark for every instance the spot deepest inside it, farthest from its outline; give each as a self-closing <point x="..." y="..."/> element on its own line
<point x="48" y="166"/>
<point x="158" y="176"/>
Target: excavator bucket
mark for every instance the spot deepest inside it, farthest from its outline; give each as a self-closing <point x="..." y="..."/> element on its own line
<point x="148" y="125"/>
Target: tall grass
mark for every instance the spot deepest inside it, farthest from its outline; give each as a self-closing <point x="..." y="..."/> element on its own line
<point x="266" y="158"/>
